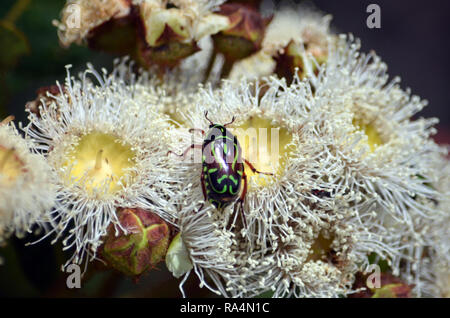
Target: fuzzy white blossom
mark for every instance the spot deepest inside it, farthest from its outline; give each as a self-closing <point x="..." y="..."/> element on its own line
<point x="107" y="144"/>
<point x="390" y="159"/>
<point x="26" y="189"/>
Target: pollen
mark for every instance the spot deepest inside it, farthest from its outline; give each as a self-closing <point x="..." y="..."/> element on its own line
<point x="264" y="144"/>
<point x="101" y="160"/>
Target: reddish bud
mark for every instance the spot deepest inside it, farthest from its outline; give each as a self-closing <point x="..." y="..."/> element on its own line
<point x="245" y="32"/>
<point x="142" y="247"/>
<point x="166" y="55"/>
<point x="390" y="287"/>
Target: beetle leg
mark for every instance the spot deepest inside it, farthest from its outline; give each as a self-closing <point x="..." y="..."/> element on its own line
<point x="254" y="169"/>
<point x="186" y="151"/>
<point x="240" y="202"/>
<point x="196" y="129"/>
<point x="203" y="190"/>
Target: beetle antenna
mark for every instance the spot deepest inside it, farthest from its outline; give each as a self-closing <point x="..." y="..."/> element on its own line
<point x="206" y="116"/>
<point x="232" y="121"/>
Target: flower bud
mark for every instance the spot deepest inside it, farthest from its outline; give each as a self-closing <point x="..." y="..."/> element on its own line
<point x="142" y="246"/>
<point x="399" y="290"/>
<point x="245" y="32"/>
<point x="166" y="55"/>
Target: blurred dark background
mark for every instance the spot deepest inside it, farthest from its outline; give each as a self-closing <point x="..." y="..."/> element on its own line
<point x="412" y="40"/>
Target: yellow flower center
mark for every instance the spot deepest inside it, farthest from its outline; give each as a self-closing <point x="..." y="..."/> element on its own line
<point x="10" y="165"/>
<point x="100" y="160"/>
<point x="264" y="146"/>
<point x="373" y="137"/>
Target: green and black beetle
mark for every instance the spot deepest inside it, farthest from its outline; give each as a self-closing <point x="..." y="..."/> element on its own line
<point x="222" y="167"/>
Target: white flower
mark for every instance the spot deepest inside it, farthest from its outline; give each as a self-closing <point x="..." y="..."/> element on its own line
<point x="293" y="152"/>
<point x="108" y="146"/>
<point x="301" y="190"/>
<point x="26" y="189"/>
<point x="389" y="157"/>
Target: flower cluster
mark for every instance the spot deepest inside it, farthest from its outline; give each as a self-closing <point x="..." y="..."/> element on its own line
<point x="330" y="171"/>
<point x="151" y="31"/>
